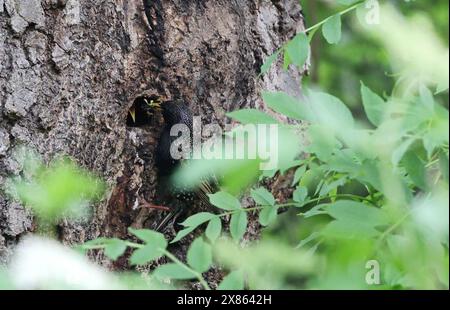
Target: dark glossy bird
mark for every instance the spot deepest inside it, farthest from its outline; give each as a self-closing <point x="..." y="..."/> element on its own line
<point x="175" y="112"/>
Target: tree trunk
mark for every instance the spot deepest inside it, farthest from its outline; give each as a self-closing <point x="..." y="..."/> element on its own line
<point x="71" y="69"/>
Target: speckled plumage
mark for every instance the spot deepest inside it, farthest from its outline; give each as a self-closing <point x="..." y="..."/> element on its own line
<point x="176" y="112"/>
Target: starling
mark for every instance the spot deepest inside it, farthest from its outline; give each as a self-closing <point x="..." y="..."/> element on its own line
<point x="175" y="112"/>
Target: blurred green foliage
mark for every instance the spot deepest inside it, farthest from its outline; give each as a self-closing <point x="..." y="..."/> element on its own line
<point x="394" y="167"/>
<point x="359" y="56"/>
<point x="60" y="189"/>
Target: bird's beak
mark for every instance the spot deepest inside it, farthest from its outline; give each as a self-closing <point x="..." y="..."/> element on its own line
<point x="154" y="104"/>
<point x="132" y="112"/>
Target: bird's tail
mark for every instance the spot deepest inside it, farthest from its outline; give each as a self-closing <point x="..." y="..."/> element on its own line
<point x="172" y="215"/>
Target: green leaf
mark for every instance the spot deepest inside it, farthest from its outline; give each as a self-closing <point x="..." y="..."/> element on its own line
<point x="198" y="219"/>
<point x="238" y="225"/>
<point x="268" y="63"/>
<point x="311" y="178"/>
<point x="298" y="175"/>
<point x="252" y="116"/>
<point x="331" y="30"/>
<point x="262" y="197"/>
<point x="357" y="212"/>
<point x="236" y="180"/>
<point x="287" y="105"/>
<point x="55" y="191"/>
<point x="400" y="151"/>
<point x="183" y="233"/>
<point x="308" y="239"/>
<point x="115" y="248"/>
<point x="286" y="61"/>
<point x="233" y="281"/>
<point x="325" y="143"/>
<point x="345" y="229"/>
<point x="199" y="256"/>
<point x="155" y="243"/>
<point x="344" y="162"/>
<point x="213" y="229"/>
<point x="327" y="188"/>
<point x="374" y="105"/>
<point x="267" y="174"/>
<point x="369" y="172"/>
<point x="173" y="271"/>
<point x="268" y="215"/>
<point x="356" y="141"/>
<point x="224" y="201"/>
<point x="415" y="168"/>
<point x="300" y="194"/>
<point x="442" y="86"/>
<point x="297" y="50"/>
<point x="426" y="98"/>
<point x="330" y="112"/>
<point x="438" y="133"/>
<point x="414" y="115"/>
<point x="288" y="152"/>
<point x="150" y="237"/>
<point x="146" y="254"/>
<point x="317" y="210"/>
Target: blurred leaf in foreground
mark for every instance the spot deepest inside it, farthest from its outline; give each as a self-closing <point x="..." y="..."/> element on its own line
<point x="414" y="46"/>
<point x="266" y="265"/>
<point x="61" y="189"/>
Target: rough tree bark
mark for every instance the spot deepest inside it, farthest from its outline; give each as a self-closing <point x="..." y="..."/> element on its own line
<point x="71" y="69"/>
